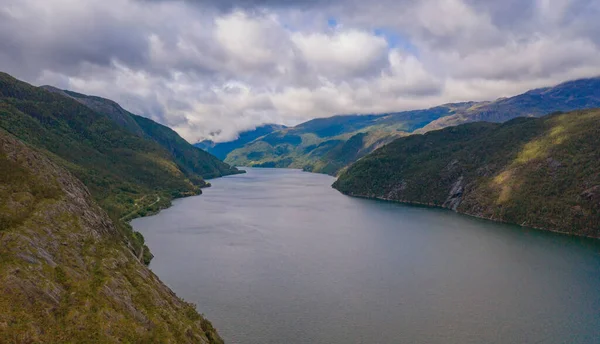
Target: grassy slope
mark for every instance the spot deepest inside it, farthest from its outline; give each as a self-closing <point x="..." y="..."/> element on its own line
<point x="132" y="166"/>
<point x="328" y="136"/>
<point x="66" y="276"/>
<point x="536" y="172"/>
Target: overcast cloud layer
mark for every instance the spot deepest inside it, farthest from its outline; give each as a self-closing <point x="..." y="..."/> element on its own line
<point x="211" y="68"/>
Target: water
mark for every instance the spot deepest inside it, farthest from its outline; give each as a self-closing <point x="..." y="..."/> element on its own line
<point x="277" y="256"/>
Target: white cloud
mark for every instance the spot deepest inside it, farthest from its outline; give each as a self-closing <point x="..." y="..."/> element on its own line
<point x="347" y="53"/>
<point x="212" y="68"/>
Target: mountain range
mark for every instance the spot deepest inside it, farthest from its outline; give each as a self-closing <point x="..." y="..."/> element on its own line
<point x="328" y="145"/>
<point x="222" y="149"/>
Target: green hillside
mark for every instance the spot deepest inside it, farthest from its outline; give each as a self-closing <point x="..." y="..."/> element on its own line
<point x="189" y="158"/>
<point x="127" y="165"/>
<point x="66" y="275"/>
<point x="542" y="173"/>
<point x="320" y="145"/>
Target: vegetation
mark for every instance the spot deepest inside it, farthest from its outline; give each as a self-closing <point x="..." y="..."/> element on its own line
<point x="65" y="273"/>
<point x="191" y="160"/>
<point x="321" y="146"/>
<point x="542" y="173"/>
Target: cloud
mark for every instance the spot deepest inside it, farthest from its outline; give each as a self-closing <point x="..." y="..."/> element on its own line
<point x="213" y="68"/>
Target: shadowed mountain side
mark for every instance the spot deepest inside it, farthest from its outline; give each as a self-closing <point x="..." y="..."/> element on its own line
<point x="542" y="173"/>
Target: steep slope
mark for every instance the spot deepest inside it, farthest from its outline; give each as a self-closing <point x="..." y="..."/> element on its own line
<point x="221" y="149"/>
<point x="65" y="274"/>
<point x="322" y="145"/>
<point x="127" y="172"/>
<point x="188" y="157"/>
<point x="104" y="106"/>
<point x="313" y="145"/>
<point x="542" y="173"/>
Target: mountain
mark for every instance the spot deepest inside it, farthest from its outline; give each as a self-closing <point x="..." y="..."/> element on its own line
<point x="122" y="163"/>
<point x="537" y="172"/>
<point x="221" y="149"/>
<point x="127" y="164"/>
<point x="66" y="275"/>
<point x="73" y="170"/>
<point x="321" y="145"/>
<point x="329" y="144"/>
<point x="188" y="157"/>
<point x="568" y="96"/>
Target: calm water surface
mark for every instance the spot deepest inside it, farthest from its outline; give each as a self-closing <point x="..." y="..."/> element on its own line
<point x="277" y="256"/>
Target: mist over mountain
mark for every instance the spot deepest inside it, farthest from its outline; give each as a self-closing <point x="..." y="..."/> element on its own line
<point x="222" y="149"/>
<point x="329" y="144"/>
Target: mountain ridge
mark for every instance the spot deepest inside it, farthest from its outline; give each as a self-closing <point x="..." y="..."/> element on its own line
<point x="335" y="131"/>
<point x="126" y="172"/>
<point x="184" y="153"/>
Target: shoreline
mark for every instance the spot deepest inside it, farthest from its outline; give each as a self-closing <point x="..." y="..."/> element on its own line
<point x="430" y="205"/>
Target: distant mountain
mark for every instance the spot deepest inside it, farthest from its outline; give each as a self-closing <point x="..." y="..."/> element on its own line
<point x="221" y="149"/>
<point x="538" y="172"/>
<point x="568" y="96"/>
<point x="320" y="145"/>
<point x="329" y="144"/>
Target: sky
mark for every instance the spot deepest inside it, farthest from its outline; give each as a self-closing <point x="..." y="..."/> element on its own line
<point x="213" y="68"/>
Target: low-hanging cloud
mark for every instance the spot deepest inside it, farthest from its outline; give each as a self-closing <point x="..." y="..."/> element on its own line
<point x="211" y="69"/>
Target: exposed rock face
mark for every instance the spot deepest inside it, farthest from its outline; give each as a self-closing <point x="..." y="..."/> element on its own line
<point x="456" y="194"/>
<point x="65" y="274"/>
<point x="592" y="194"/>
<point x="397" y="190"/>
